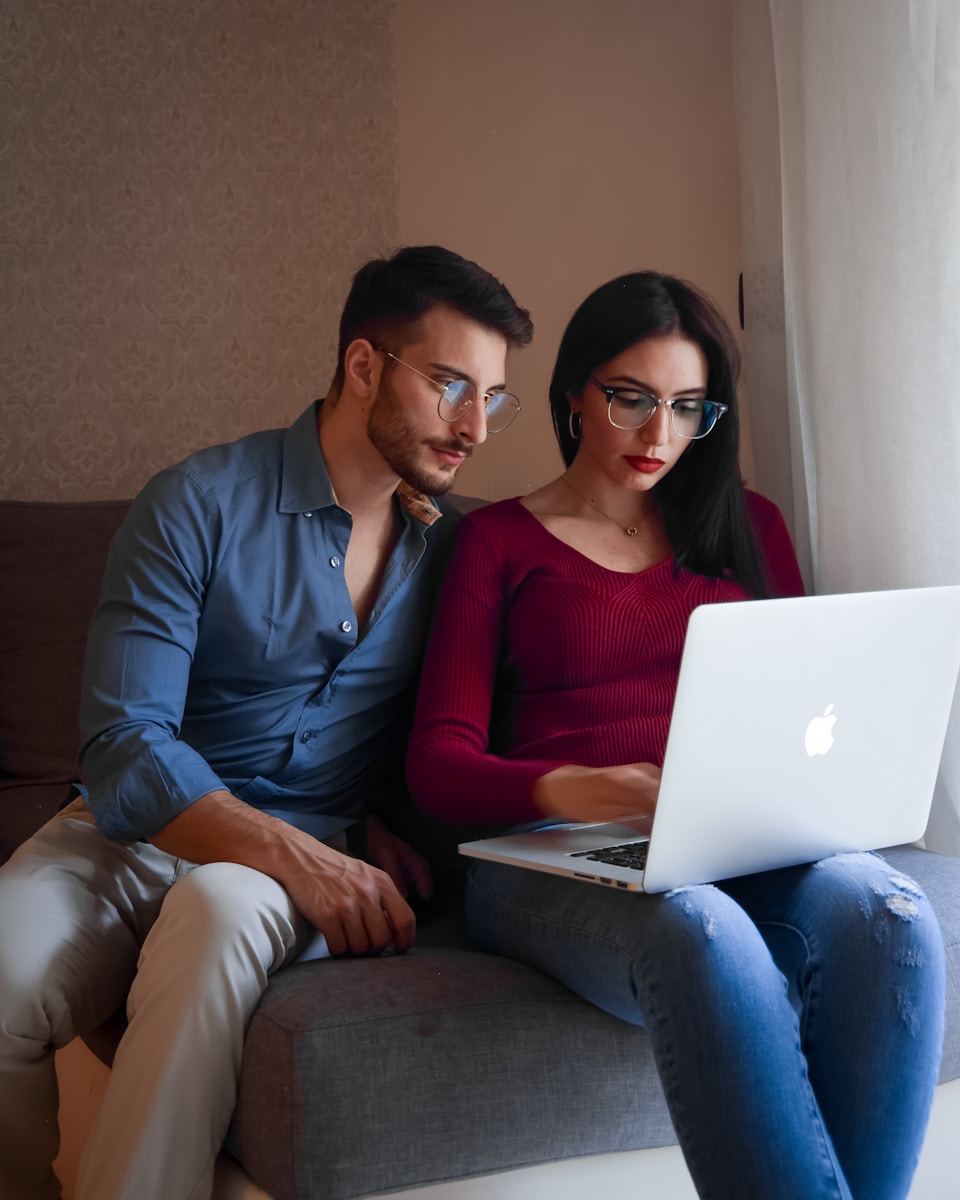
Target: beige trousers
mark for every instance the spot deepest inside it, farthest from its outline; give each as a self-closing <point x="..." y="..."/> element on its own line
<point x="85" y="924"/>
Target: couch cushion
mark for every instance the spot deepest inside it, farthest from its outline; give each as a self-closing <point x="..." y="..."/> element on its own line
<point x="366" y="1075"/>
<point x="53" y="556"/>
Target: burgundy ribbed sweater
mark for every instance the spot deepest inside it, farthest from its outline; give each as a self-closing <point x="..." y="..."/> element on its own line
<point x="540" y="657"/>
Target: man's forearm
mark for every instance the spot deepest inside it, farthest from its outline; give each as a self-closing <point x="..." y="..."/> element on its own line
<point x="220" y="828"/>
<point x="356" y="906"/>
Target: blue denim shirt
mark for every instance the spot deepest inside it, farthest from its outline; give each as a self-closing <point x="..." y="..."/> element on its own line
<point x="225" y="651"/>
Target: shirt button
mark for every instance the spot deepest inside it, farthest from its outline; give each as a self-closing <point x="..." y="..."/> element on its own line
<point x="307" y="736"/>
<point x="346" y="626"/>
<point x="308" y="514"/>
<point x="334" y="562"/>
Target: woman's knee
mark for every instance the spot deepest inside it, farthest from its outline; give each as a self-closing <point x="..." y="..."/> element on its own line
<point x="872" y="922"/>
<point x="857" y="888"/>
<point x="702" y="932"/>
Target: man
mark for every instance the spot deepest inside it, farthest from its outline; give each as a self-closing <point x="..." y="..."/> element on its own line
<point x="262" y="614"/>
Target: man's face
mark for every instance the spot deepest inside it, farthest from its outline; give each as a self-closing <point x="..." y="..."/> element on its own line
<point x="404" y="424"/>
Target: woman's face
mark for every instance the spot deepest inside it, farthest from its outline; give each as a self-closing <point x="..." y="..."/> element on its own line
<point x="669" y="366"/>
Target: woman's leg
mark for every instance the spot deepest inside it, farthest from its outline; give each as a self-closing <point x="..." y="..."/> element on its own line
<point x="863" y="954"/>
<point x="693" y="968"/>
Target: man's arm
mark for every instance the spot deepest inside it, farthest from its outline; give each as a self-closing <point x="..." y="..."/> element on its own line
<point x="354" y="905"/>
<point x="140" y="649"/>
<point x="145" y="782"/>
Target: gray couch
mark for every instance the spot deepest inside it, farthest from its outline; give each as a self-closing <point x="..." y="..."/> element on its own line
<point x="362" y="1076"/>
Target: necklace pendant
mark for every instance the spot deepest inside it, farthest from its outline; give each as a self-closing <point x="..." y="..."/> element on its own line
<point x="631" y="531"/>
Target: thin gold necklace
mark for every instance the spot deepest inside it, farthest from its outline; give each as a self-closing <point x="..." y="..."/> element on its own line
<point x="629" y="530"/>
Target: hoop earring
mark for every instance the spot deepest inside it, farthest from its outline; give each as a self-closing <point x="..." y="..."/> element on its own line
<point x="574" y="436"/>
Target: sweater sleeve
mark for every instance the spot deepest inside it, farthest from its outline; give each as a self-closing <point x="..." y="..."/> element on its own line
<point x="776" y="548"/>
<point x="450" y="771"/>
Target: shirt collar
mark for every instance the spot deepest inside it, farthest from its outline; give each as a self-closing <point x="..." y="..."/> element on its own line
<point x="306" y="483"/>
<point x="418" y="505"/>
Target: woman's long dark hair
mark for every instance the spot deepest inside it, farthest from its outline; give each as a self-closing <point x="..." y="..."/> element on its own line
<point x="701" y="499"/>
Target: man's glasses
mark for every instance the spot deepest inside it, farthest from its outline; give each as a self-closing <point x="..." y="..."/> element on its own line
<point x="459" y="395"/>
<point x="628" y="408"/>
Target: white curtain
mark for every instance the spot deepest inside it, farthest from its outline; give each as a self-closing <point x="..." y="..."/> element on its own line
<point x="849" y="121"/>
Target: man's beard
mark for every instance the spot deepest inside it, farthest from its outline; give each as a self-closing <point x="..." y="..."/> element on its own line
<point x="391" y="431"/>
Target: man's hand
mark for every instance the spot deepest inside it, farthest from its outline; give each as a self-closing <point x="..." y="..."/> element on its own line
<point x="358" y="908"/>
<point x="405" y="866"/>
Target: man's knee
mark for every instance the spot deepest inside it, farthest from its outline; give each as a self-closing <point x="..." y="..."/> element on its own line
<point x="34" y="939"/>
<point x="63" y="965"/>
<point x="25" y="986"/>
<point x="224" y="907"/>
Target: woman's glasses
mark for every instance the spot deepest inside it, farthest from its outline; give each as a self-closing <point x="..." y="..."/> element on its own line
<point x="628" y="408"/>
<point x="459" y="395"/>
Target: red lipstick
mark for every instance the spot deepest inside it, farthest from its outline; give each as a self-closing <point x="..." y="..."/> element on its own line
<point x="646" y="466"/>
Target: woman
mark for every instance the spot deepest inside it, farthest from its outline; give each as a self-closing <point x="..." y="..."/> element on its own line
<point x="795" y="1015"/>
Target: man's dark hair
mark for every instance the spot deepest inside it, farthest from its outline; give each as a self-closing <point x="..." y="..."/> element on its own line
<point x="389" y="296"/>
<point x="701" y="499"/>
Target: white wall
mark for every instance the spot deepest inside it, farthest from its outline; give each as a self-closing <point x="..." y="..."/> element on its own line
<point x="560" y="143"/>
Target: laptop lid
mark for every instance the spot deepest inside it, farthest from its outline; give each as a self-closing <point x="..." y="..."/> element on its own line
<point x="817" y="722"/>
<point x="801" y="728"/>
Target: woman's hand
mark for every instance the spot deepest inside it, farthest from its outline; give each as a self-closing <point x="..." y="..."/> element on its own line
<point x="600" y="793"/>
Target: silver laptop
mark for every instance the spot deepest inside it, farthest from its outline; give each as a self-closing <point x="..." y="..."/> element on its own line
<point x="801" y="728"/>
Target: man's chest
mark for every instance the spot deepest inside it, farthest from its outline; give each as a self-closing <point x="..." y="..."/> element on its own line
<point x="369" y="549"/>
<point x="281" y="612"/>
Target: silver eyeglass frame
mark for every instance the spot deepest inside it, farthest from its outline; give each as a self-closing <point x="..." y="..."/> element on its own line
<point x="464" y="406"/>
<point x="611" y="394"/>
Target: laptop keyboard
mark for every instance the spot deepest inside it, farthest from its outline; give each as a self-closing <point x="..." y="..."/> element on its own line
<point x="630" y="854"/>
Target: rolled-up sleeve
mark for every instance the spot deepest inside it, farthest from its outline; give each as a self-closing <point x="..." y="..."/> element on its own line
<point x="137" y="772"/>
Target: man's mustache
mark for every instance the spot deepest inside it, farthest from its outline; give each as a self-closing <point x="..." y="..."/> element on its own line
<point x="464" y="448"/>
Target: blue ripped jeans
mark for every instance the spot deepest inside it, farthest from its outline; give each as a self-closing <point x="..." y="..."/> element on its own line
<point x="796" y="1016"/>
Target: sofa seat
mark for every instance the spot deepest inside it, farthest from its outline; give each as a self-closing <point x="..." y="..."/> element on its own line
<point x="365" y="1075"/>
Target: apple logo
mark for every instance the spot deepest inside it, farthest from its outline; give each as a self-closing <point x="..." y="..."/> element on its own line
<point x="819" y="736"/>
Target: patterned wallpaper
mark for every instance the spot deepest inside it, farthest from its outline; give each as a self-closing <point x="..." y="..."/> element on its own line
<point x="186" y="187"/>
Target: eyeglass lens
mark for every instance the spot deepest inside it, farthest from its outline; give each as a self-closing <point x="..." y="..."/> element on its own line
<point x="460" y="394"/>
<point x="691" y="418"/>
